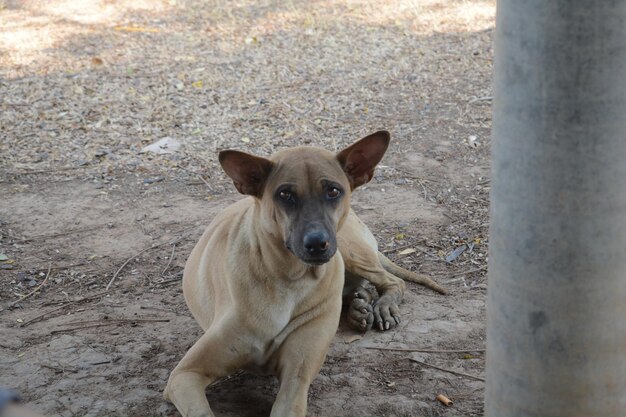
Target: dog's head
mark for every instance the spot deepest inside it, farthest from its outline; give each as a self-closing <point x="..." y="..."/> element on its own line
<point x="304" y="192"/>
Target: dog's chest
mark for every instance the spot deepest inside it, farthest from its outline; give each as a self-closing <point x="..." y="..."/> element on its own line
<point x="290" y="301"/>
<point x="279" y="314"/>
<point x="283" y="314"/>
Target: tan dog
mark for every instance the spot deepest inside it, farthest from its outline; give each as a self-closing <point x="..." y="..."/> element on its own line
<point x="265" y="282"/>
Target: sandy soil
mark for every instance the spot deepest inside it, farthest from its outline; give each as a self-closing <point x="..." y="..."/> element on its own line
<point x="85" y="85"/>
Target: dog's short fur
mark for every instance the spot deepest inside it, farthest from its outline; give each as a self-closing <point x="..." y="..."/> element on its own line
<point x="265" y="280"/>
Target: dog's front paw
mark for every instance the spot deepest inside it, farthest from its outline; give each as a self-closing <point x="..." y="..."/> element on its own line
<point x="386" y="312"/>
<point x="360" y="311"/>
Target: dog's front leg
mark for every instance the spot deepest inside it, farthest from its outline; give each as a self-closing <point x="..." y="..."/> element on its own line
<point x="216" y="354"/>
<point x="358" y="300"/>
<point x="292" y="396"/>
<point x="300" y="358"/>
<point x="362" y="262"/>
<point x="386" y="314"/>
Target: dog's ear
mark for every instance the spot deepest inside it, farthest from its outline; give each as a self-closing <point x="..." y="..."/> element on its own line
<point x="248" y="172"/>
<point x="360" y="159"/>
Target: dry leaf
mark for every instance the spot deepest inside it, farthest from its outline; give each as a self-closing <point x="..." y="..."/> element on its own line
<point x="456" y="253"/>
<point x="407" y="251"/>
<point x="165" y="145"/>
<point x="353" y="338"/>
<point x="135" y="29"/>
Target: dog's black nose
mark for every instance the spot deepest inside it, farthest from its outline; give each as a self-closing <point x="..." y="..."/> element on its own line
<point x="316" y="243"/>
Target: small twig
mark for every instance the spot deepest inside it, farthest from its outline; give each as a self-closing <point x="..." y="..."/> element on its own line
<point x="63" y="267"/>
<point x="27" y="322"/>
<point x="115" y="359"/>
<point x="46" y="171"/>
<point x="173" y="242"/>
<point x="426" y="350"/>
<point x="61" y="307"/>
<point x="191" y="171"/>
<point x="73" y="323"/>
<point x="184" y="235"/>
<point x="154" y="308"/>
<point x="110" y="323"/>
<point x="471" y="271"/>
<point x="101" y="363"/>
<point x="206" y="183"/>
<point x="35" y="290"/>
<point x="83" y="327"/>
<point x="60" y="267"/>
<point x="477" y="99"/>
<point x="127" y="261"/>
<point x="170" y="260"/>
<point x="59" y="370"/>
<point x="397" y="248"/>
<point x="467" y="394"/>
<point x="78" y="300"/>
<point x="53" y="235"/>
<point x="169" y="281"/>
<point x="448" y="370"/>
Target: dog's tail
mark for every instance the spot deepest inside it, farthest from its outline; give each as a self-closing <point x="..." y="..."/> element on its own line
<point x="409" y="275"/>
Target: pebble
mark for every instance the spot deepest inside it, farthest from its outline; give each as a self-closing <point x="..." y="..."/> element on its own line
<point x="153" y="180"/>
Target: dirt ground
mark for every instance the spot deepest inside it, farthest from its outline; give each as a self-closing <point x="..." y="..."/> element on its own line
<point x="86" y="85"/>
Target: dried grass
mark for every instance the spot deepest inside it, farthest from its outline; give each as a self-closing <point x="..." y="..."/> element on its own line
<point x="87" y="84"/>
<point x="79" y="87"/>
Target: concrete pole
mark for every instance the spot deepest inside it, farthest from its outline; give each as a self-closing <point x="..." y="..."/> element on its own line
<point x="556" y="326"/>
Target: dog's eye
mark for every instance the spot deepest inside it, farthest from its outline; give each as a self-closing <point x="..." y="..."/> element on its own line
<point x="333" y="192"/>
<point x="285" y="195"/>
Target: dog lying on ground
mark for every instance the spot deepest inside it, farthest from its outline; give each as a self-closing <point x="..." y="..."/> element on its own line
<point x="265" y="281"/>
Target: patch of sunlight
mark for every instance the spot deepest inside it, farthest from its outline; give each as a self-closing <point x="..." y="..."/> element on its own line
<point x="29" y="30"/>
<point x="426" y="16"/>
<point x="91" y="12"/>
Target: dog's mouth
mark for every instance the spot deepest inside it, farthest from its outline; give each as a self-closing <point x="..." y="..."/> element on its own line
<point x="312" y="260"/>
<point x="316" y="262"/>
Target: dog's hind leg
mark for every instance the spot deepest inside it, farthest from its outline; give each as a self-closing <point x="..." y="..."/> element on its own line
<point x="215" y="355"/>
<point x="411" y="276"/>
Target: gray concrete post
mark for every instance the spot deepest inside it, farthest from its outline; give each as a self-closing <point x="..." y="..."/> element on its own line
<point x="556" y="326"/>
